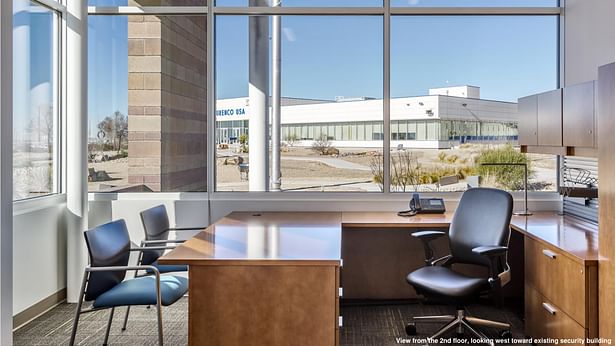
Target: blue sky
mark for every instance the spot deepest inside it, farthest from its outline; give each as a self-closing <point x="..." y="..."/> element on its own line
<point x="328" y="56"/>
<point x="33" y="66"/>
<point x="396" y="3"/>
<point x="107" y="68"/>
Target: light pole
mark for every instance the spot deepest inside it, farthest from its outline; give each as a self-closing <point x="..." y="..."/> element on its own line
<point x="526" y="211"/>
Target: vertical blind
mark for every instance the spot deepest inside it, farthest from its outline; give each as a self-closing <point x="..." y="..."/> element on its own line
<point x="577" y="206"/>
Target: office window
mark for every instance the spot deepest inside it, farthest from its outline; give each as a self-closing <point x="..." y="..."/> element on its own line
<point x="457" y="85"/>
<point x="35" y="100"/>
<point x="147" y="106"/>
<point x="474" y="3"/>
<point x="331" y="79"/>
<point x="300" y="3"/>
<point x="141" y="3"/>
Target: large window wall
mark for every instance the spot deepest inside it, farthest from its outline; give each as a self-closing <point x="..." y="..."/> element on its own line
<point x="478" y="66"/>
<point x="147" y="113"/>
<point x="362" y="87"/>
<point x="36" y="99"/>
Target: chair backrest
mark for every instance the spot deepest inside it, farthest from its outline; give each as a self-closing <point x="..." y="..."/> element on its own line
<point x="108" y="245"/>
<point x="156" y="225"/>
<point x="481" y="219"/>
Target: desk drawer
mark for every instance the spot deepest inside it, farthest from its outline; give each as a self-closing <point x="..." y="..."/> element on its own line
<point x="544" y="319"/>
<point x="557" y="278"/>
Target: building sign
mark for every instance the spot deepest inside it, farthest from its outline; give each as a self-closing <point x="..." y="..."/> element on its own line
<point x="230" y="111"/>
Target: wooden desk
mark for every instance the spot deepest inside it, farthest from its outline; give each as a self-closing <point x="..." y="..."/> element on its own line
<point x="273" y="278"/>
<point x="264" y="279"/>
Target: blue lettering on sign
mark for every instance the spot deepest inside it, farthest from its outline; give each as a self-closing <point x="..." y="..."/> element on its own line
<point x="230" y="111"/>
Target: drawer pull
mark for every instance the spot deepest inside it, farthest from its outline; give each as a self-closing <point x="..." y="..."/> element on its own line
<point x="550" y="254"/>
<point x="550" y="309"/>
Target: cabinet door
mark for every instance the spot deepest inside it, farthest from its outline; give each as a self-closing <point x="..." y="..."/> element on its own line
<point x="549" y="105"/>
<point x="526" y="110"/>
<point x="578" y="115"/>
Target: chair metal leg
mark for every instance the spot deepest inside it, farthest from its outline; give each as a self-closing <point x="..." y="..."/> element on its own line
<point x="476" y="333"/>
<point x="433" y="319"/>
<point x="159" y="311"/>
<point x="487" y="323"/>
<point x="78" y="310"/>
<point x="126" y="318"/>
<point x="108" y="327"/>
<point x="446" y="329"/>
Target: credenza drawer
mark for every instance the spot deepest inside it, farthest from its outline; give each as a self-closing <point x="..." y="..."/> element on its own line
<point x="557" y="278"/>
<point x="544" y="319"/>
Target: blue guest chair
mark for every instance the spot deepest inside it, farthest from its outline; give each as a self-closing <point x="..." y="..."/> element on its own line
<point x="156" y="225"/>
<point x="104" y="281"/>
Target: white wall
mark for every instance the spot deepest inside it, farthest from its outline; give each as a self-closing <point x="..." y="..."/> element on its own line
<point x="589" y="38"/>
<point x="39" y="254"/>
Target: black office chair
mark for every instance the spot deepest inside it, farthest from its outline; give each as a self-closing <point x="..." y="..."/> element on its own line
<point x="155" y="222"/>
<point x="103" y="280"/>
<point x="478" y="235"/>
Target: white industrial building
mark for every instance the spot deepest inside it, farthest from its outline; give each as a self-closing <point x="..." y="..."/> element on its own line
<point x="444" y="118"/>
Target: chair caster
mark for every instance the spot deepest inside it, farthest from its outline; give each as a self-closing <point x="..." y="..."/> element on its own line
<point x="506" y="334"/>
<point x="411" y="329"/>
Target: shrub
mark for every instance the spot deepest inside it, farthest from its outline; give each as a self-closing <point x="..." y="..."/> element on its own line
<point x="442" y="156"/>
<point x="506" y="177"/>
<point x="291" y="139"/>
<point x="322" y="145"/>
<point x="452" y="158"/>
<point x="243" y="141"/>
<point x="375" y="163"/>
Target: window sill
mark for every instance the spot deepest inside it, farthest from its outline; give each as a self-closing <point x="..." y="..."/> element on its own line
<point x="25" y="206"/>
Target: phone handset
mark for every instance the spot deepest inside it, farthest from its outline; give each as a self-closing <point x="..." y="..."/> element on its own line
<point x="414" y="204"/>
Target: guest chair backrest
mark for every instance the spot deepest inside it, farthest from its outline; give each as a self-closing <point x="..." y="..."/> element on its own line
<point x="156" y="225"/>
<point x="481" y="219"/>
<point x="108" y="246"/>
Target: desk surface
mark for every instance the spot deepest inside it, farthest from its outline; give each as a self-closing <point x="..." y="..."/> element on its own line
<point x="577" y="238"/>
<point x="264" y="238"/>
<point x="313" y="238"/>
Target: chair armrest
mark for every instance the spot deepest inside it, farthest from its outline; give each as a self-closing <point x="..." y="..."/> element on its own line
<point x="426" y="237"/>
<point x="162" y="241"/>
<point x="148" y="248"/>
<point x="490" y="251"/>
<point x="179" y="229"/>
<point x="499" y="272"/>
<point x="121" y="268"/>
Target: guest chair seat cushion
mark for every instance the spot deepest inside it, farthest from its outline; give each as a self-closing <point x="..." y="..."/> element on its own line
<point x="142" y="291"/>
<point x="442" y="281"/>
<point x="162" y="268"/>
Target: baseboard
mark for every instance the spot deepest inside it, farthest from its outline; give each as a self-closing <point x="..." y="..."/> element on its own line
<point x="38" y="309"/>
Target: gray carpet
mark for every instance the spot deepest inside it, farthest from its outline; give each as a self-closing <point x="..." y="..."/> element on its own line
<point x="364" y="324"/>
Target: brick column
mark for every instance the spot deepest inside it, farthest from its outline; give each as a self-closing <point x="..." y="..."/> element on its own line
<point x="167" y="102"/>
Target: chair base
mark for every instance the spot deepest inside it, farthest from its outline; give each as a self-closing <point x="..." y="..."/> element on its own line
<point x="462" y="324"/>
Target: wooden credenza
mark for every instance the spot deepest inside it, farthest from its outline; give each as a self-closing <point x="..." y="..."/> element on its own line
<point x="561" y="279"/>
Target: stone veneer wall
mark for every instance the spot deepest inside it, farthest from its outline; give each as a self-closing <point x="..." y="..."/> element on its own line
<point x="167" y="102"/>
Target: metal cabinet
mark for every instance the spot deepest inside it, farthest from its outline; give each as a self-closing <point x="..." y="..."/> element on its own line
<point x="528" y="124"/>
<point x="579" y="115"/>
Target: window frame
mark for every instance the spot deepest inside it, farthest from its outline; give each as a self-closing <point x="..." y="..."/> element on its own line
<point x="386" y="11"/>
<point x="58" y="10"/>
